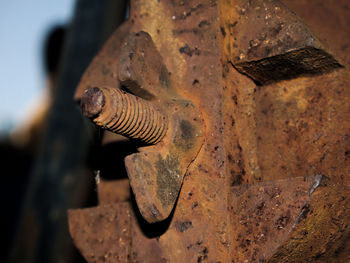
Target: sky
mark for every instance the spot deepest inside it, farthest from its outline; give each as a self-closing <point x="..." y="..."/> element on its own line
<point x="23" y="27"/>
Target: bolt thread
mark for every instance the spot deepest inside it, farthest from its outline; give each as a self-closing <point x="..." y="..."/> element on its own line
<point x="128" y="115"/>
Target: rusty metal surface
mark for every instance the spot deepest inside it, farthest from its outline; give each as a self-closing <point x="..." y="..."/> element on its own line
<point x="113" y="191"/>
<point x="102" y="234"/>
<point x="270" y="181"/>
<point x="158" y="115"/>
<point x="329" y="21"/>
<point x="295" y="127"/>
<point x="265" y="215"/>
<point x="322" y="233"/>
<point x="270" y="43"/>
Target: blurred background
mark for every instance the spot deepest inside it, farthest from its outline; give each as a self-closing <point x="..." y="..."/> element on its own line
<point x="24" y="27"/>
<point x="47" y="149"/>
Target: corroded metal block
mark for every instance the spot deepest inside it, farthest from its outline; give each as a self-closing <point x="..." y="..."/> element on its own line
<point x="268" y="178"/>
<point x="271" y="43"/>
<point x="102" y="234"/>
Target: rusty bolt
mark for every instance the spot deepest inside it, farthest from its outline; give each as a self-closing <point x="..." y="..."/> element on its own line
<point x="124" y="113"/>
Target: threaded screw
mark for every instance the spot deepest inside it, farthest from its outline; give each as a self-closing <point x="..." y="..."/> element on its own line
<point x="124" y="113"/>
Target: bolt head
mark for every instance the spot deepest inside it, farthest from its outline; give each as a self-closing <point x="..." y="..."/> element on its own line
<point x="92" y="102"/>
